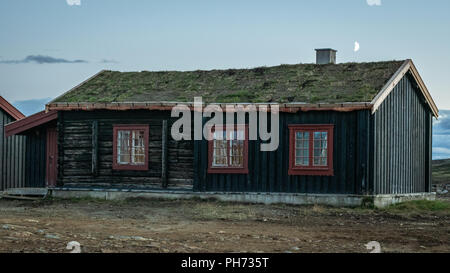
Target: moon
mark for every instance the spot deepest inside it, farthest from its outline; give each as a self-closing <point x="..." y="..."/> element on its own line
<point x="356" y="47"/>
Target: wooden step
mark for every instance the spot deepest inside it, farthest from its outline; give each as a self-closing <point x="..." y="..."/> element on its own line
<point x="17" y="197"/>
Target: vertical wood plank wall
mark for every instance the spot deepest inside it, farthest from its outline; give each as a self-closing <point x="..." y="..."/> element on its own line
<point x="12" y="157"/>
<point x="35" y="155"/>
<point x="268" y="171"/>
<point x="402" y="142"/>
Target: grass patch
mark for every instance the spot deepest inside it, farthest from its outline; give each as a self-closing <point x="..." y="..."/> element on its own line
<point x="236" y="97"/>
<point x="441" y="171"/>
<point x="421" y="206"/>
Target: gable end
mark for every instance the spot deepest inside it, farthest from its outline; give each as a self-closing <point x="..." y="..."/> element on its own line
<point x="407" y="67"/>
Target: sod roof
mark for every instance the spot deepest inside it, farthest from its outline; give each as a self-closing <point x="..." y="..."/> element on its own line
<point x="301" y="83"/>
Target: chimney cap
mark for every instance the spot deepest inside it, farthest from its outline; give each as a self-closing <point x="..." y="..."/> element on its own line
<point x="325" y="49"/>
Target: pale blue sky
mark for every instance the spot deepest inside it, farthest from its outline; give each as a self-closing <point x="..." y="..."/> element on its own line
<point x="139" y="35"/>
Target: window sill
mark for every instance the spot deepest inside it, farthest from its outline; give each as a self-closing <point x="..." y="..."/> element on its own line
<point x="130" y="167"/>
<point x="228" y="170"/>
<point x="311" y="172"/>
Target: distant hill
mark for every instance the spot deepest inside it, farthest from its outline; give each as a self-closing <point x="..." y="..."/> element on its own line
<point x="441" y="171"/>
<point x="29" y="107"/>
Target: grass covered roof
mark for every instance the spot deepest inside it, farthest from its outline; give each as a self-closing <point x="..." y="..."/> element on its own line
<point x="302" y="83"/>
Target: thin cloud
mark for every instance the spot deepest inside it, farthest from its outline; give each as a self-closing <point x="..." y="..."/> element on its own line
<point x="106" y="61"/>
<point x="441" y="135"/>
<point x="73" y="2"/>
<point x="374" y="2"/>
<point x="441" y="153"/>
<point x="41" y="59"/>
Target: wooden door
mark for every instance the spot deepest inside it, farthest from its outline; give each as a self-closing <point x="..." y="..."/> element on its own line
<point x="52" y="157"/>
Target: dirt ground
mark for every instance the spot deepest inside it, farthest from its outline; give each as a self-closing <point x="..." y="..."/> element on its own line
<point x="209" y="226"/>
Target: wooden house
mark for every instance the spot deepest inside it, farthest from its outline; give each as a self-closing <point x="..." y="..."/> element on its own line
<point x="348" y="128"/>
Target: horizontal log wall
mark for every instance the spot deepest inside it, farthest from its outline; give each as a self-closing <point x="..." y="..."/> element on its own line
<point x="268" y="171"/>
<point x="75" y="151"/>
<point x="402" y="142"/>
<point x="12" y="157"/>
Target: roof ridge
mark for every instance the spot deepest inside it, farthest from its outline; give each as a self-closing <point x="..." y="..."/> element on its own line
<point x="251" y="68"/>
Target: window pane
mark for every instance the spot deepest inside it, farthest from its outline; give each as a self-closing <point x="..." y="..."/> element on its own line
<point x="123" y="147"/>
<point x="305" y="153"/>
<point x="220" y="157"/>
<point x="228" y="151"/>
<point x="237" y="153"/>
<point x="316" y="161"/>
<point x="124" y="159"/>
<point x="302" y="148"/>
<point x="317" y="152"/>
<point x="138" y="148"/>
<point x="320" y="149"/>
<point x="317" y="143"/>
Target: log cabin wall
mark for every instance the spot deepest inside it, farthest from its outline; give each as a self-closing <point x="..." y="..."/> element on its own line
<point x="76" y="134"/>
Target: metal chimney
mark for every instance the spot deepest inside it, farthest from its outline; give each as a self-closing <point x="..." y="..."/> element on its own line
<point x="325" y="56"/>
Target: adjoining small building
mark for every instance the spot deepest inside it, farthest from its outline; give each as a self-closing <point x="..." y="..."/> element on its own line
<point x="28" y="148"/>
<point x="41" y="152"/>
<point x="12" y="149"/>
<point x="350" y="130"/>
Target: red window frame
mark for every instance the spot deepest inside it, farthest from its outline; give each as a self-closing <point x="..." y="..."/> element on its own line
<point x="130" y="127"/>
<point x="231" y="170"/>
<point x="311" y="169"/>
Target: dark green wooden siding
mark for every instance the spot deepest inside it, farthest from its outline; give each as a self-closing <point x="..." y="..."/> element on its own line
<point x="402" y="142"/>
<point x="35" y="158"/>
<point x="12" y="157"/>
<point x="268" y="171"/>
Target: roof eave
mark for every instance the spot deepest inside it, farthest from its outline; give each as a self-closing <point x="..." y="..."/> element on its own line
<point x="30" y="122"/>
<point x="167" y="106"/>
<point x="10" y="109"/>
